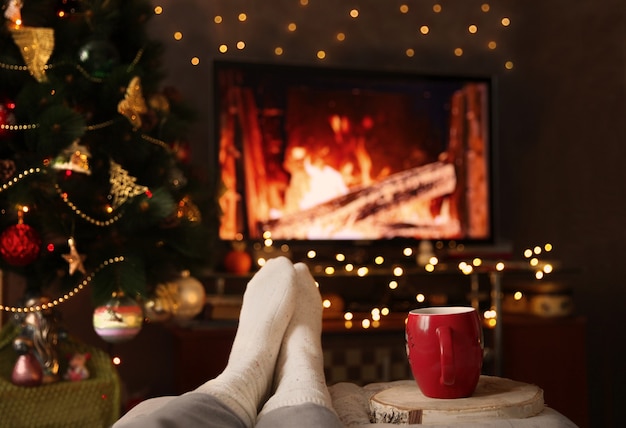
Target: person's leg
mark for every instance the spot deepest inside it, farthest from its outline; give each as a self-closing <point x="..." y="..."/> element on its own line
<point x="301" y="398"/>
<point x="191" y="410"/>
<point x="235" y="396"/>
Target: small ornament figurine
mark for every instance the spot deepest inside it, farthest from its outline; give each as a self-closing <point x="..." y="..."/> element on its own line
<point x="77" y="367"/>
<point x="38" y="337"/>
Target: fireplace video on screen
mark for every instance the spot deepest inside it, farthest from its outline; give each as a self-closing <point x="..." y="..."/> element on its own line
<point x="319" y="154"/>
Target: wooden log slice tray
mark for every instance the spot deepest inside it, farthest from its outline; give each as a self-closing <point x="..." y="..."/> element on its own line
<point x="494" y="398"/>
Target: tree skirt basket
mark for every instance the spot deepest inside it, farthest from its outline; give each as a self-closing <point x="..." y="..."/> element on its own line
<point x="93" y="402"/>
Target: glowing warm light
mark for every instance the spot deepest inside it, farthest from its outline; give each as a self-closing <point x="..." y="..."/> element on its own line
<point x="311" y="254"/>
<point x="408" y="251"/>
<point x="433" y="260"/>
<point x="404" y="8"/>
<point x="492" y="322"/>
<point x="539" y="274"/>
<point x="420" y="298"/>
<point x="376" y="315"/>
<point x="379" y="260"/>
<point x="477" y="262"/>
<point x="518" y="295"/>
<point x="398" y="271"/>
<point x="437" y="8"/>
<point x="548" y="247"/>
<point x="508" y="65"/>
<point x="218" y="19"/>
<point x="458" y="52"/>
<point x="267" y="234"/>
<point x="547" y="268"/>
<point x="362" y="271"/>
<point x="195" y="60"/>
<point x="424" y="29"/>
<point x="492" y="45"/>
<point x="292" y="26"/>
<point x="393" y="285"/>
<point x="429" y="267"/>
<point x="365" y="323"/>
<point x="268" y="242"/>
<point x="410" y="53"/>
<point x="349" y="267"/>
<point x="347" y="324"/>
<point x="505" y="22"/>
<point x="329" y="270"/>
<point x="534" y="261"/>
<point x="326" y="303"/>
<point x="158" y="10"/>
<point x="485" y="7"/>
<point x="178" y="35"/>
<point x="500" y="266"/>
<point x="537" y="250"/>
<point x="348" y="316"/>
<point x="490" y="314"/>
<point x="117" y="361"/>
<point x="261" y="261"/>
<point x="50" y="247"/>
<point x="528" y="253"/>
<point x="304" y="2"/>
<point x="242" y="17"/>
<point x="321" y="54"/>
<point x="341" y="37"/>
<point x="278" y="51"/>
<point x="223" y="48"/>
<point x="466" y="268"/>
<point x="340" y="257"/>
<point x="354" y="13"/>
<point x="473" y="29"/>
<point x="241" y="45"/>
<point x="384" y="312"/>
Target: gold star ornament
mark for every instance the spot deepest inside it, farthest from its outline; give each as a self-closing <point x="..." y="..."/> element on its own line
<point x="74" y="259"/>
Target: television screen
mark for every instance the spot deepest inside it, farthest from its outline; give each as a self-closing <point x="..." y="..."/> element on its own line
<point x="313" y="153"/>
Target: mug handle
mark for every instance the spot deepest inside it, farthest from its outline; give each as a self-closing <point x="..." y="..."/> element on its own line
<point x="446" y="355"/>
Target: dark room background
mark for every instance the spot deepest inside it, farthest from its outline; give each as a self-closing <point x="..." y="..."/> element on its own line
<point x="561" y="114"/>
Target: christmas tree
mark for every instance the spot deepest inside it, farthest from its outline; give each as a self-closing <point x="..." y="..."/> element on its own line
<point x="96" y="187"/>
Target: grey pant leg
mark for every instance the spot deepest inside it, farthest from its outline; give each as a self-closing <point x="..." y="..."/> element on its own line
<point x="302" y="416"/>
<point x="190" y="410"/>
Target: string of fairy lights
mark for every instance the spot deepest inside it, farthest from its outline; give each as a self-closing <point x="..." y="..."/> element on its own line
<point x="533" y="261"/>
<point x="464" y="29"/>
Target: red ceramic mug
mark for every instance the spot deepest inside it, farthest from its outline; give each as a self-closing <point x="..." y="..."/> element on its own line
<point x="445" y="350"/>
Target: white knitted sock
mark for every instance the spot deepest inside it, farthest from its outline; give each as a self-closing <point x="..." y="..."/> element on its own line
<point x="268" y="305"/>
<point x="299" y="376"/>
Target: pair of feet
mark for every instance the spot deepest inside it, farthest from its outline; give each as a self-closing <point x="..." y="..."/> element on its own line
<point x="277" y="350"/>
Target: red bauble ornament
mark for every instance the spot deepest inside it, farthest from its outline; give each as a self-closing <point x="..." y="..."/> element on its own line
<point x="20" y="244"/>
<point x="237" y="261"/>
<point x="7" y="117"/>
